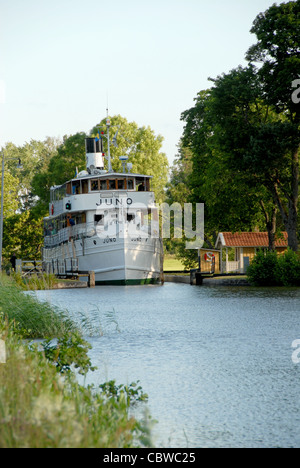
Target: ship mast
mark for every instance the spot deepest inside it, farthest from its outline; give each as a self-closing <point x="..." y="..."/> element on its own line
<point x="108" y="142"/>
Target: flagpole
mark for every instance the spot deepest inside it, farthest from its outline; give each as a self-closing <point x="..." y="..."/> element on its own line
<point x="108" y="146"/>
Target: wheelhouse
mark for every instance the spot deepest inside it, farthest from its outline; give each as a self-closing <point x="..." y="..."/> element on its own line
<point x="115" y="182"/>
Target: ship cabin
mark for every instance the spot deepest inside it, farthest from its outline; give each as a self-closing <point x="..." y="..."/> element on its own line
<point x="75" y="207"/>
<point x="102" y="183"/>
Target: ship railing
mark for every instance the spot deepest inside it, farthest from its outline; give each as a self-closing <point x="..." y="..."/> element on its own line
<point x="71" y="232"/>
<point x="85" y="230"/>
<point x="60" y="266"/>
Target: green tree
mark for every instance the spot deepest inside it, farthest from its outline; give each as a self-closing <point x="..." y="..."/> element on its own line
<point x="179" y="188"/>
<point x="278" y="52"/>
<point x="23" y="234"/>
<point x="259" y="142"/>
<point x="246" y="130"/>
<point x="35" y="157"/>
<point x="142" y="147"/>
<point x="11" y="190"/>
<point x="62" y="166"/>
<point x="178" y="191"/>
<point x="232" y="200"/>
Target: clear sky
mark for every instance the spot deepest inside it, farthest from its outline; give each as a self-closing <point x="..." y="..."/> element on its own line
<point x="61" y="61"/>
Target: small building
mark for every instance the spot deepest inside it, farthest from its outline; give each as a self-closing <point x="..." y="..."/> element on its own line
<point x="241" y="247"/>
<point x="209" y="260"/>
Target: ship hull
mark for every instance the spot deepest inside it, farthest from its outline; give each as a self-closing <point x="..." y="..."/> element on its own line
<point x="114" y="261"/>
<point x="122" y="261"/>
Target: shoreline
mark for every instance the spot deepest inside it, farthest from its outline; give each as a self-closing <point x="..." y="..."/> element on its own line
<point x="168" y="278"/>
<point x="76" y="284"/>
<point x="213" y="281"/>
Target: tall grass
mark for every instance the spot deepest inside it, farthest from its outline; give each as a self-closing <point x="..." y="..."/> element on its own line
<point x="37" y="320"/>
<point x="35" y="282"/>
<point x="39" y="409"/>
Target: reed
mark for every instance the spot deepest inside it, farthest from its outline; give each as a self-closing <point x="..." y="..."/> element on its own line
<point x="35" y="282"/>
<point x="34" y="319"/>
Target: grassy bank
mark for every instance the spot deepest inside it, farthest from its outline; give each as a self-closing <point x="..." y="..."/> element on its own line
<point x="35" y="282"/>
<point x="171" y="263"/>
<point x="35" y="319"/>
<point x="41" y="403"/>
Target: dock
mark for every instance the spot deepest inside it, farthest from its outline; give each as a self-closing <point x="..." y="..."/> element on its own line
<point x="66" y="279"/>
<point x="206" y="279"/>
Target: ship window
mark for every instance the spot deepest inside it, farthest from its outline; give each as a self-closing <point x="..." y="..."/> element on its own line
<point x="120" y="184"/>
<point x="47" y="231"/>
<point x="94" y="184"/>
<point x="68" y="191"/>
<point x="112" y="184"/>
<point x="80" y="218"/>
<point x="61" y="192"/>
<point x="143" y="184"/>
<point x="130" y="184"/>
<point x="130" y="218"/>
<point x="85" y="186"/>
<point x="58" y="194"/>
<point x="76" y="187"/>
<point x="103" y="184"/>
<point x="99" y="220"/>
<point x="141" y="187"/>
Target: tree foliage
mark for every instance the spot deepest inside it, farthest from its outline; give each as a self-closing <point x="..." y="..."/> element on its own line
<point x="278" y="52"/>
<point x="142" y="147"/>
<point x="23" y="235"/>
<point x="69" y="155"/>
<point x="231" y="199"/>
<point x="11" y="191"/>
<point x="22" y="230"/>
<point x="270" y="269"/>
<point x="244" y="134"/>
<point x="35" y="157"/>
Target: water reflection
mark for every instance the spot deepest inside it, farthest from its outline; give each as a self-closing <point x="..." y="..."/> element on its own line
<point x="215" y="361"/>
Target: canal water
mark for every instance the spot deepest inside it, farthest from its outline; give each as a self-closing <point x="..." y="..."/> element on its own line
<point x="216" y="362"/>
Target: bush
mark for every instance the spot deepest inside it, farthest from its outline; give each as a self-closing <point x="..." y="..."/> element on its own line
<point x="270" y="269"/>
<point x="262" y="271"/>
<point x="39" y="409"/>
<point x="288" y="269"/>
<point x="69" y="350"/>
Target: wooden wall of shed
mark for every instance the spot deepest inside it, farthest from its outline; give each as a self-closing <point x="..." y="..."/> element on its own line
<point x="206" y="266"/>
<point x="251" y="251"/>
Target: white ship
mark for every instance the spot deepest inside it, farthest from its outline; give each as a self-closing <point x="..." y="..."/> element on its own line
<point x="104" y="222"/>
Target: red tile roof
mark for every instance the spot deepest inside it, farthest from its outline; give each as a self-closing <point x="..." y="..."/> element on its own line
<point x="252" y="239"/>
